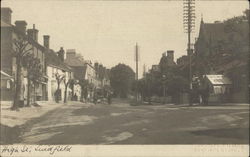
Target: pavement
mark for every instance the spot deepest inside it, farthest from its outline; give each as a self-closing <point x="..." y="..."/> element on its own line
<point x="120" y="123"/>
<point x="15" y="118"/>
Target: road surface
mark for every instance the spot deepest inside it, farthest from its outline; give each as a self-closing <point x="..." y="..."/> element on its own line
<point x="78" y="123"/>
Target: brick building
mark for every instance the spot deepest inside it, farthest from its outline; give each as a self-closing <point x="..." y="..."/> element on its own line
<point x="10" y="32"/>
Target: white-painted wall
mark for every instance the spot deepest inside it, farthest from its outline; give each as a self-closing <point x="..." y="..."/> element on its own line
<point x="52" y="83"/>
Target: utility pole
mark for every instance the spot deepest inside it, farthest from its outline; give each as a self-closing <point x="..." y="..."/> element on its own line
<point x="136" y="75"/>
<point x="144" y="70"/>
<point x="189" y="24"/>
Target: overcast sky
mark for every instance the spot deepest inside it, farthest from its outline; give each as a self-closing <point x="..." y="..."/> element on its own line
<point x="106" y="31"/>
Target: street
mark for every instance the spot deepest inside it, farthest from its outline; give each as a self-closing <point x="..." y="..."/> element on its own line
<point x="120" y="123"/>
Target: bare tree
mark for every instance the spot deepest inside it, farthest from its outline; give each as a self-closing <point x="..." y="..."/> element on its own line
<point x="34" y="72"/>
<point x="66" y="84"/>
<point x="84" y="88"/>
<point x="19" y="51"/>
<point x="59" y="79"/>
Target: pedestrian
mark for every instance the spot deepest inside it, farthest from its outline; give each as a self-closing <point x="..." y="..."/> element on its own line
<point x="95" y="97"/>
<point x="109" y="98"/>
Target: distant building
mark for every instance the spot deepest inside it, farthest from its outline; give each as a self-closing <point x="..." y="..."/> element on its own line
<point x="183" y="60"/>
<point x="155" y="68"/>
<point x="102" y="74"/>
<point x="167" y="61"/>
<point x="83" y="70"/>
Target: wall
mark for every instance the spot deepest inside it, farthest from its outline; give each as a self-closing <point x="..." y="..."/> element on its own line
<point x="52" y="83"/>
<point x="6" y="48"/>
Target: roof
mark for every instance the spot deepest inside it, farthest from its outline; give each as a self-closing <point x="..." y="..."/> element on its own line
<point x="31" y="41"/>
<point x="74" y="61"/>
<point x="218" y="80"/>
<point x="214" y="32"/>
<point x="236" y="63"/>
<point x="54" y="60"/>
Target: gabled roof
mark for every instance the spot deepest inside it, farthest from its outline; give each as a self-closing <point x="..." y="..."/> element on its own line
<point x="214" y="32"/>
<point x="218" y="80"/>
<point x="53" y="60"/>
<point x="74" y="62"/>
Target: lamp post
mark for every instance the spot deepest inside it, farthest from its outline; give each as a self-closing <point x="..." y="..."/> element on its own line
<point x="136" y="74"/>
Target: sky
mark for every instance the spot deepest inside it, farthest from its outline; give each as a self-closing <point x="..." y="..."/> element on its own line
<point x="107" y="31"/>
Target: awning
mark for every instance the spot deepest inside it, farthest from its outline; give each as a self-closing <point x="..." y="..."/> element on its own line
<point x="218" y="80"/>
<point x="6" y="76"/>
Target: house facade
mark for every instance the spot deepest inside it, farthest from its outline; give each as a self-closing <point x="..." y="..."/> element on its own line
<point x="9" y="33"/>
<point x="58" y="73"/>
<point x="96" y="75"/>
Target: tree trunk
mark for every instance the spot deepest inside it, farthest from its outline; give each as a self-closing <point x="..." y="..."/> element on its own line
<point x="57" y="92"/>
<point x="34" y="92"/>
<point x="17" y="95"/>
<point x="28" y="94"/>
<point x="73" y="90"/>
<point x="82" y="92"/>
<point x="65" y="93"/>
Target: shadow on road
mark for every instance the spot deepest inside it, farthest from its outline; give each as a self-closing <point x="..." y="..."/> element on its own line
<point x="237" y="133"/>
<point x="9" y="135"/>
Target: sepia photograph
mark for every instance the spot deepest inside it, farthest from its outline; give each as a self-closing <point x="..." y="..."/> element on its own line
<point x="155" y="75"/>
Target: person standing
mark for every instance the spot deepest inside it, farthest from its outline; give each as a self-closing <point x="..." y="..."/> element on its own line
<point x="95" y="97"/>
<point x="109" y="98"/>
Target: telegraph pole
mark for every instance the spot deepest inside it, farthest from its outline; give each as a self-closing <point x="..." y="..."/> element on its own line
<point x="189" y="24"/>
<point x="144" y="70"/>
<point x="136" y="75"/>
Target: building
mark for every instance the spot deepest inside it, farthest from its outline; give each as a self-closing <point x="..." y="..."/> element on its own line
<point x="96" y="75"/>
<point x="155" y="68"/>
<point x="10" y="32"/>
<point x="83" y="71"/>
<point x="182" y="61"/>
<point x="223" y="48"/>
<point x="55" y="67"/>
<point x="219" y="87"/>
<point x="103" y="75"/>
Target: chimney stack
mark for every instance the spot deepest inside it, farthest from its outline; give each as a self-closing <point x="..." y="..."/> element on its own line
<point x="6" y="15"/>
<point x="61" y="53"/>
<point x="33" y="33"/>
<point x="46" y="41"/>
<point x="21" y="26"/>
<point x="170" y="55"/>
<point x="71" y="53"/>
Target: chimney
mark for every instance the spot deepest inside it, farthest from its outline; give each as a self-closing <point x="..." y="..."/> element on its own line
<point x="61" y="53"/>
<point x="96" y="65"/>
<point x="21" y="26"/>
<point x="46" y="41"/>
<point x="71" y="53"/>
<point x="33" y="33"/>
<point x="6" y="15"/>
<point x="170" y="55"/>
<point x="164" y="54"/>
